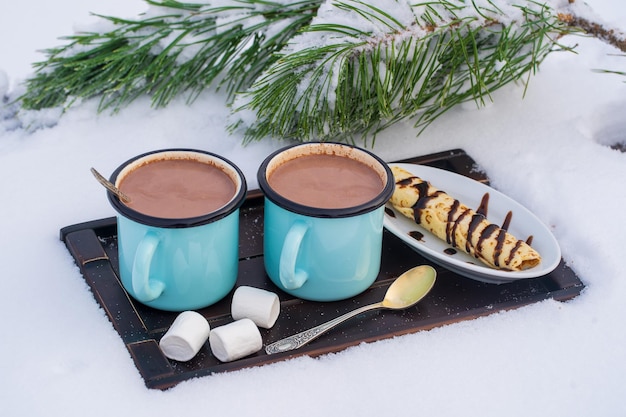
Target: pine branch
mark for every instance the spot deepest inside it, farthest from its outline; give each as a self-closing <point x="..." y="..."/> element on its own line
<point x="182" y="49"/>
<point x="358" y="84"/>
<point x="305" y="70"/>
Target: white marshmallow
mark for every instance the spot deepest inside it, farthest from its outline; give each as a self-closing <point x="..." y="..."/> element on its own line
<point x="235" y="340"/>
<point x="260" y="306"/>
<point x="185" y="337"/>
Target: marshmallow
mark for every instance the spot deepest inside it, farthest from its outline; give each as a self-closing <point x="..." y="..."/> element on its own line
<point x="235" y="340"/>
<point x="260" y="306"/>
<point x="185" y="337"/>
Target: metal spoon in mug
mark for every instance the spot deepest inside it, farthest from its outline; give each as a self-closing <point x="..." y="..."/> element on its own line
<point x="406" y="291"/>
<point x="109" y="186"/>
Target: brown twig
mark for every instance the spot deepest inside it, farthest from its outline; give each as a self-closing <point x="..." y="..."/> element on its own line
<point x="613" y="37"/>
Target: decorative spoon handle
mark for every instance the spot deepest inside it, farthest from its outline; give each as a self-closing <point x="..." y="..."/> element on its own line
<point x="109" y="186"/>
<point x="298" y="340"/>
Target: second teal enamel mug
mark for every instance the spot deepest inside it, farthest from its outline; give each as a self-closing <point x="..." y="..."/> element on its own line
<point x="323" y="219"/>
<point x="178" y="238"/>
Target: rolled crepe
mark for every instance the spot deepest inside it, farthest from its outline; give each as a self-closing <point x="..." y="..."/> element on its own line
<point x="458" y="225"/>
<point x="260" y="306"/>
<point x="185" y="337"/>
<point x="235" y="340"/>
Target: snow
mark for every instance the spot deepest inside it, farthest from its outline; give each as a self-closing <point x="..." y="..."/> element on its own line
<point x="546" y="147"/>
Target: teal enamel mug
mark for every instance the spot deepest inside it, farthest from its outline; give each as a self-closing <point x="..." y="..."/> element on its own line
<point x="323" y="219"/>
<point x="178" y="237"/>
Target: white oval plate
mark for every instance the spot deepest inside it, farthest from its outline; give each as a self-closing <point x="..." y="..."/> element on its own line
<point x="469" y="192"/>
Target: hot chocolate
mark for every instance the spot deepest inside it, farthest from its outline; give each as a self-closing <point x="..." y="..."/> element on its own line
<point x="177" y="188"/>
<point x="326" y="181"/>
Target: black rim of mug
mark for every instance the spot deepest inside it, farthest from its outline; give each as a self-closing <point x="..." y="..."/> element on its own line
<point x="234" y="204"/>
<point x="292" y="206"/>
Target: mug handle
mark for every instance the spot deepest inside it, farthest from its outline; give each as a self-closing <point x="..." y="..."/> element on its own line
<point x="146" y="290"/>
<point x="289" y="276"/>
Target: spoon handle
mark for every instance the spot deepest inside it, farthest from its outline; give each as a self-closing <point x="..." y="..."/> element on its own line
<point x="298" y="340"/>
<point x="109" y="186"/>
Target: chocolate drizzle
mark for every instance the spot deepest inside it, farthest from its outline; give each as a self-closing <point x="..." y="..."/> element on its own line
<point x="507" y="221"/>
<point x="422" y="201"/>
<point x="518" y="244"/>
<point x="501" y="238"/>
<point x="477" y="219"/>
<point x="483" y="208"/>
<point x="451" y="238"/>
<point x="450" y="222"/>
<point x="485" y="234"/>
<point x="389" y="212"/>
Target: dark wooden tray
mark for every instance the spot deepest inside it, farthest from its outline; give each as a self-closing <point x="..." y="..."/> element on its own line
<point x="454" y="298"/>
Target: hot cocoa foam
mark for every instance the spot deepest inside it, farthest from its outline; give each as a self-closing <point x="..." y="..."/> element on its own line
<point x="177" y="188"/>
<point x="326" y="181"/>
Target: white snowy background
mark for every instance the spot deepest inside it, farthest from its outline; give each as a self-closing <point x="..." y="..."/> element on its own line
<point x="548" y="150"/>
